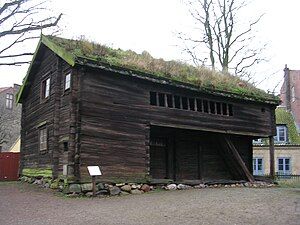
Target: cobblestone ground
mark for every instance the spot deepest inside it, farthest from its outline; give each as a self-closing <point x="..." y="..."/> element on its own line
<point x="28" y="204"/>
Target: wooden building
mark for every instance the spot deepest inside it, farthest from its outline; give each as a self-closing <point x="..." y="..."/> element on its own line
<point x="81" y="109"/>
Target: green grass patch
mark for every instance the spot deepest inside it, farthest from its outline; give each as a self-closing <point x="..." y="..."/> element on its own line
<point x="293" y="183"/>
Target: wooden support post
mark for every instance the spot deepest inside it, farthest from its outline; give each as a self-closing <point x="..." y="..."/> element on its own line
<point x="239" y="159"/>
<point x="94" y="185"/>
<point x="272" y="157"/>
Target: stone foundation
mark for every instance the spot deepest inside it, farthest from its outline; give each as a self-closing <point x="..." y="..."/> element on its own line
<point x="113" y="189"/>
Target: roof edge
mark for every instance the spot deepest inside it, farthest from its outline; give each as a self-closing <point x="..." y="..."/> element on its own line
<point x="68" y="57"/>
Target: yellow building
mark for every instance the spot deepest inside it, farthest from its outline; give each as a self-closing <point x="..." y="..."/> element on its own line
<point x="287" y="147"/>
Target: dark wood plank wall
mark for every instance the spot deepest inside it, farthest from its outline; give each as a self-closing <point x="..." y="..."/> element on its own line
<point x="35" y="112"/>
<point x="55" y="112"/>
<point x="116" y="115"/>
<point x="64" y="117"/>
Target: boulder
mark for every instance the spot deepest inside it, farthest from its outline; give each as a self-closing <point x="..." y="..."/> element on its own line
<point x="134" y="186"/>
<point x="126" y="188"/>
<point x="123" y="193"/>
<point x="183" y="186"/>
<point x="87" y="187"/>
<point x="100" y="186"/>
<point x="74" y="188"/>
<point x="145" y="188"/>
<point x="114" y="191"/>
<point x="136" y="192"/>
<point x="120" y="184"/>
<point x="171" y="187"/>
<point x="102" y="192"/>
<point x="89" y="194"/>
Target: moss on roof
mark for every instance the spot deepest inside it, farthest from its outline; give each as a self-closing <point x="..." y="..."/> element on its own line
<point x="79" y="51"/>
<point x="285" y="117"/>
<point x="174" y="70"/>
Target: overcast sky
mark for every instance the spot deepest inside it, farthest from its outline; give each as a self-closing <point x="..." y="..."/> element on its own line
<point x="152" y="26"/>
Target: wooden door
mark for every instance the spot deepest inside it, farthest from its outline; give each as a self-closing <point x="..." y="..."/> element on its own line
<point x="158" y="158"/>
<point x="187" y="160"/>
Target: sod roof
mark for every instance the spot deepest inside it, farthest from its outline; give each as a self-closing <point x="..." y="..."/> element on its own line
<point x="143" y="65"/>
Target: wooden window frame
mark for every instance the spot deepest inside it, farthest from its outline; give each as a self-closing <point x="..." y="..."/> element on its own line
<point x="284" y="171"/>
<point x="255" y="165"/>
<point x="44" y="85"/>
<point x="43" y="133"/>
<point x="9" y="101"/>
<point x="67" y="81"/>
<point x="188" y="103"/>
<point x="277" y="137"/>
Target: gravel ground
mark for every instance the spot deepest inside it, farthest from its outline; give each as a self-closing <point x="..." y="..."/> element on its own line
<point x="28" y="204"/>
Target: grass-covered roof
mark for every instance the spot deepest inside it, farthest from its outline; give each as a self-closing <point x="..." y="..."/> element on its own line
<point x="86" y="52"/>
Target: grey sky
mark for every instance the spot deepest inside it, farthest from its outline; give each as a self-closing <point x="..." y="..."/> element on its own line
<point x="152" y="25"/>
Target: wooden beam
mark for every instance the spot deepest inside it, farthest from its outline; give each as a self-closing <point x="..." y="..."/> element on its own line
<point x="272" y="158"/>
<point x="239" y="159"/>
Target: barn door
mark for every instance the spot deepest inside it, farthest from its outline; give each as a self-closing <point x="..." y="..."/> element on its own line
<point x="187" y="160"/>
<point x="158" y="158"/>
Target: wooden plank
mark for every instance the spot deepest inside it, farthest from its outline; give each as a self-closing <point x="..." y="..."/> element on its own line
<point x="239" y="160"/>
<point x="272" y="157"/>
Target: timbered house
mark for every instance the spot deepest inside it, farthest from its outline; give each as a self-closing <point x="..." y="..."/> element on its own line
<point x="83" y="105"/>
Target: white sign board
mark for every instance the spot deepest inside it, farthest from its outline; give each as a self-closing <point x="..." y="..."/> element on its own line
<point x="94" y="170"/>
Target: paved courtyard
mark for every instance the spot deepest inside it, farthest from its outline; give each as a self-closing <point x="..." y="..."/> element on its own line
<point x="28" y="204"/>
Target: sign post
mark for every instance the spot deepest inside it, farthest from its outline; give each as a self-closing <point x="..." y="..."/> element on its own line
<point x="94" y="171"/>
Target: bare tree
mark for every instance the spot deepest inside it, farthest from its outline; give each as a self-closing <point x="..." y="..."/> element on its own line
<point x="228" y="44"/>
<point x="21" y="21"/>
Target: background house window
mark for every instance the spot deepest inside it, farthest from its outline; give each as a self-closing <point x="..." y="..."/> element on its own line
<point x="46" y="88"/>
<point x="68" y="81"/>
<point x="43" y="139"/>
<point x="284" y="166"/>
<point x="9" y="101"/>
<point x="258" y="166"/>
<point x="281" y="134"/>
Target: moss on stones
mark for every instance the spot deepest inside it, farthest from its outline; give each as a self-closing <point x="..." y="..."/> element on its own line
<point x="37" y="172"/>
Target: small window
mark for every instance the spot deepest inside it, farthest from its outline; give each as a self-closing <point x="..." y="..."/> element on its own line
<point x="46" y="88"/>
<point x="177" y="101"/>
<point x="218" y="106"/>
<point x="9" y="101"/>
<point x="192" y="104"/>
<point x="199" y="105"/>
<point x="281" y="134"/>
<point x="153" y="100"/>
<point x="43" y="139"/>
<point x="258" y="166"/>
<point x="230" y="111"/>
<point x="68" y="81"/>
<point x="284" y="166"/>
<point x="212" y="107"/>
<point x="161" y="99"/>
<point x="170" y="100"/>
<point x="184" y="103"/>
<point x="224" y="109"/>
<point x="205" y="106"/>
